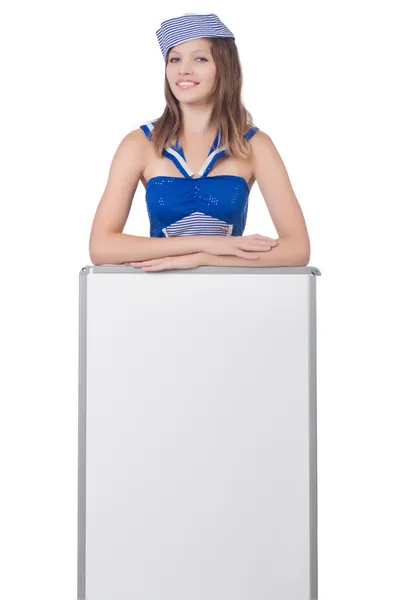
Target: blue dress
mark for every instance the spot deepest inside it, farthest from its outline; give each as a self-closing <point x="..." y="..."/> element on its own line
<point x="204" y="205"/>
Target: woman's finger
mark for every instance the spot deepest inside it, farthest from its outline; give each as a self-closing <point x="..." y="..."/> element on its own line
<point x="158" y="267"/>
<point x="144" y="262"/>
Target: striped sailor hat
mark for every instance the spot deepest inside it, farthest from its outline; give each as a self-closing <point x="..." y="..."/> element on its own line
<point x="190" y="26"/>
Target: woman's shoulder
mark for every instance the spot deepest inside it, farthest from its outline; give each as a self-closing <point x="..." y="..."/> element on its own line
<point x="142" y="133"/>
<point x="258" y="135"/>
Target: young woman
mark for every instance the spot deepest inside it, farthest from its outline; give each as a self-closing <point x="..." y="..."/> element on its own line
<point x="198" y="163"/>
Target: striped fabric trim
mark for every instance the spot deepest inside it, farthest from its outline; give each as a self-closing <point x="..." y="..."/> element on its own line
<point x="198" y="223"/>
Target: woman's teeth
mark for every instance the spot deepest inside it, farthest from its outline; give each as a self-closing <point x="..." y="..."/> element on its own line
<point x="186" y="85"/>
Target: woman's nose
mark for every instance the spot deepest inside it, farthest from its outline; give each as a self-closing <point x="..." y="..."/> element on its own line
<point x="185" y="67"/>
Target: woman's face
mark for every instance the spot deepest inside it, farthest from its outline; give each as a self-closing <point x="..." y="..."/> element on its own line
<point x="191" y="60"/>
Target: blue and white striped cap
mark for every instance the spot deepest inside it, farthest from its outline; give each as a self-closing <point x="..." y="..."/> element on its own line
<point x="190" y="26"/>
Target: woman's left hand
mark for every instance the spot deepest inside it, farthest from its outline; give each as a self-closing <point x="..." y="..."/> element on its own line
<point x="185" y="261"/>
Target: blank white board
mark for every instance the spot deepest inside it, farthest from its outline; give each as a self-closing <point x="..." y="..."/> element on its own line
<point x="197" y="434"/>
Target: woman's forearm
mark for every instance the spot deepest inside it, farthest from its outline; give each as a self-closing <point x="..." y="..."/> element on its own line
<point x="287" y="253"/>
<point x="116" y="248"/>
<point x="119" y="248"/>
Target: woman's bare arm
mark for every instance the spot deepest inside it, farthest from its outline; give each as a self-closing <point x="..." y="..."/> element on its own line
<point x="116" y="248"/>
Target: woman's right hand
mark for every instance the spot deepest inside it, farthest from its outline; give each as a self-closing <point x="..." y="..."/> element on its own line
<point x="244" y="246"/>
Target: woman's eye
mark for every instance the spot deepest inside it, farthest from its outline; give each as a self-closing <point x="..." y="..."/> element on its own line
<point x="201" y="57"/>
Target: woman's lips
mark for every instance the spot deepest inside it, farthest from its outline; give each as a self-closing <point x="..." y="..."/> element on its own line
<point x="187" y="87"/>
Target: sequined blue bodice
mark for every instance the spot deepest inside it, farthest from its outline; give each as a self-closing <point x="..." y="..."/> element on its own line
<point x="204" y="205"/>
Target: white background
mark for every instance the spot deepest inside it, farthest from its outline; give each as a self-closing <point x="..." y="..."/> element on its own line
<point x="319" y="78"/>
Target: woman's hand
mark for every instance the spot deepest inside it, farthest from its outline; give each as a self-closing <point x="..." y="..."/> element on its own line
<point x="239" y="245"/>
<point x="185" y="261"/>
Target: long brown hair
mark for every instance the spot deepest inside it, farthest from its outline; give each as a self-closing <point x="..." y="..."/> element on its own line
<point x="233" y="118"/>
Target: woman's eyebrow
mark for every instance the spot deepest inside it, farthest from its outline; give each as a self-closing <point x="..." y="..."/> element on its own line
<point x="193" y="51"/>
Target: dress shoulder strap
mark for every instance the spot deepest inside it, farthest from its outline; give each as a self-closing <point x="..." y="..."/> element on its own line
<point x="147" y="128"/>
<point x="252" y="131"/>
